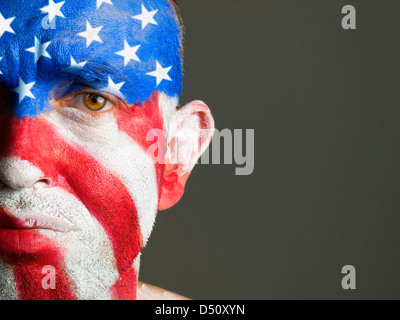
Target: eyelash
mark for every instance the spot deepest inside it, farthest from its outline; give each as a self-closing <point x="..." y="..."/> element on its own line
<point x="82" y="94"/>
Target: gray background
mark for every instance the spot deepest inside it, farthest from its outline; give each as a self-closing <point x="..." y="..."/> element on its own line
<point x="324" y="104"/>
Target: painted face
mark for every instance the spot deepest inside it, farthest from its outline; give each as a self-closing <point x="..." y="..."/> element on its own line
<point x="82" y="82"/>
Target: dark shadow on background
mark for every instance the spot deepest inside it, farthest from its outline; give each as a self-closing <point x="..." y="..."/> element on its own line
<point x="324" y="104"/>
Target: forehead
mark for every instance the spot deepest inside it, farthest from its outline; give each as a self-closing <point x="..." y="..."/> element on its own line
<point x="132" y="47"/>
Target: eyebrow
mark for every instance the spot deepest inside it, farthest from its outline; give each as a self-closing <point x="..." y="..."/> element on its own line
<point x="93" y="74"/>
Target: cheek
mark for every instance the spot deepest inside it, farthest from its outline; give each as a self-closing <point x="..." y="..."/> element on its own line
<point x="120" y="144"/>
<point x="144" y="124"/>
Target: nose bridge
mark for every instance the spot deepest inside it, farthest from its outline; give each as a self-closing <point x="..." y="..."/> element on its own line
<point x="21" y="153"/>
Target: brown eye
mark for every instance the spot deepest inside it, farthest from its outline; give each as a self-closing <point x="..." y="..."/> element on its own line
<point x="91" y="102"/>
<point x="94" y="102"/>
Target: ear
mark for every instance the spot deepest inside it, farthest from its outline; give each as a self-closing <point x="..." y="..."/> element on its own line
<point x="190" y="132"/>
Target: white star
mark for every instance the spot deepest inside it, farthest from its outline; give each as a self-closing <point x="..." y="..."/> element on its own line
<point x="39" y="49"/>
<point x="5" y="25"/>
<point x="75" y="64"/>
<point x="160" y="73"/>
<point x="53" y="9"/>
<point x="114" y="88"/>
<point x="129" y="53"/>
<point x="100" y="2"/>
<point x="91" y="34"/>
<point x="24" y="90"/>
<point x="146" y="17"/>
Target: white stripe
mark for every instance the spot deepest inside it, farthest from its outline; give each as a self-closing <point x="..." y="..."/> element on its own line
<point x="7" y="282"/>
<point x="89" y="261"/>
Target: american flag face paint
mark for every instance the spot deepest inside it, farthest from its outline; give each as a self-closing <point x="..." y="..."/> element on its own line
<point x="78" y="192"/>
<point x="126" y="48"/>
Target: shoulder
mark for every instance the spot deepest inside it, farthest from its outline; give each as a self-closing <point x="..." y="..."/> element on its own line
<point x="149" y="292"/>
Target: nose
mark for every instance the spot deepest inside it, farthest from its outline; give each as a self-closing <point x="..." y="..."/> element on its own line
<point x="20" y="174"/>
<point x="25" y="153"/>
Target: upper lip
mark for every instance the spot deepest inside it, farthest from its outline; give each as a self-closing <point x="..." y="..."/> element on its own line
<point x="33" y="220"/>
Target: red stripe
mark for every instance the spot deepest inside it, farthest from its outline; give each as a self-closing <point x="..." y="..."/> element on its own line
<point x="28" y="276"/>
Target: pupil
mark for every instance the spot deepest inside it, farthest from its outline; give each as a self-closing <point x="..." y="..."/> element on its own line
<point x="94" y="99"/>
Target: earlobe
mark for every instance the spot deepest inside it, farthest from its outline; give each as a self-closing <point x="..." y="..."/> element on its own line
<point x="190" y="132"/>
<point x="172" y="189"/>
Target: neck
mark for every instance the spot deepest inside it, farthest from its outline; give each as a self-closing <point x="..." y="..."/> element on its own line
<point x="126" y="286"/>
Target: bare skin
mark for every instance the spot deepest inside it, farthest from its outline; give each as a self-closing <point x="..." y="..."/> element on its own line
<point x="149" y="292"/>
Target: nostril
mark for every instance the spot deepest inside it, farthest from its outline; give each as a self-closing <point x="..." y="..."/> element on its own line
<point x="43" y="183"/>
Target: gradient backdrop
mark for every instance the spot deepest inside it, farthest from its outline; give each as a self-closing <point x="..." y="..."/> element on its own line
<point x="325" y="106"/>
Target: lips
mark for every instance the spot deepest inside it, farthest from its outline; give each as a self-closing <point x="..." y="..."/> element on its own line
<point x="24" y="236"/>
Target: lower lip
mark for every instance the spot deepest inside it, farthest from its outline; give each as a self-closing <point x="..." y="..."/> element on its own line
<point x="23" y="241"/>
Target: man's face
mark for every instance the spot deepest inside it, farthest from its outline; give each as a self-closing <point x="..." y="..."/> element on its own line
<point x="79" y="94"/>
